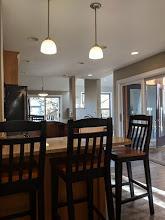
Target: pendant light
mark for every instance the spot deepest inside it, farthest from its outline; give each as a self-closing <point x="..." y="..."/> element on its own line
<point x="42" y="93"/>
<point x="48" y="46"/>
<point x="95" y="52"/>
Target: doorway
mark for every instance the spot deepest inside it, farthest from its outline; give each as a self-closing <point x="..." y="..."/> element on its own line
<point x="146" y="97"/>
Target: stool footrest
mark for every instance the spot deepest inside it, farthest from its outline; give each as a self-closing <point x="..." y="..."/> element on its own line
<point x="139" y="184"/>
<point x="134" y="198"/>
<point x="133" y="181"/>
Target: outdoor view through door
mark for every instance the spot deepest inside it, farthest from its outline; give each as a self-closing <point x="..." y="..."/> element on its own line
<point x="155" y="99"/>
<point x="131" y="103"/>
<point x="49" y="107"/>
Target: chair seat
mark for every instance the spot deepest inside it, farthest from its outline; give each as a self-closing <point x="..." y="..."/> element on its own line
<point x="123" y="152"/>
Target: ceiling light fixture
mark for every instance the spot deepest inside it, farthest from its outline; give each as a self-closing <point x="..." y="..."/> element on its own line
<point x="134" y="53"/>
<point x="90" y="75"/>
<point x="48" y="46"/>
<point x="42" y="93"/>
<point x="96" y="51"/>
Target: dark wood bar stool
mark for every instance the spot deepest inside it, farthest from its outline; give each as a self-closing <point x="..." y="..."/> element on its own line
<point x="87" y="159"/>
<point x="22" y="159"/>
<point x="139" y="132"/>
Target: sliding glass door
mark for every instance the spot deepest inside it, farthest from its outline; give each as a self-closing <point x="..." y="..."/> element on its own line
<point x="146" y="97"/>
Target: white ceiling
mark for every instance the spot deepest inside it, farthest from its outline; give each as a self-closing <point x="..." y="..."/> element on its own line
<point x="123" y="26"/>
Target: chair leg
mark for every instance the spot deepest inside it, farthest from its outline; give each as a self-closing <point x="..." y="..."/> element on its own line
<point x="129" y="170"/>
<point x="118" y="189"/>
<point x="55" y="186"/>
<point x="41" y="204"/>
<point x="33" y="205"/>
<point x="109" y="196"/>
<point x="90" y="198"/>
<point x="149" y="186"/>
<point x="69" y="191"/>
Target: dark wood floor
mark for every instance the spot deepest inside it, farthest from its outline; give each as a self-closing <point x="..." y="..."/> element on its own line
<point x="157" y="154"/>
<point x="139" y="209"/>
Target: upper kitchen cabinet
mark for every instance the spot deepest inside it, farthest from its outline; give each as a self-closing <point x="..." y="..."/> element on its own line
<point x="11" y="67"/>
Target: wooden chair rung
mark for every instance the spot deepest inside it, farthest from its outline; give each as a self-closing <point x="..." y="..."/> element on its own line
<point x="134" y="198"/>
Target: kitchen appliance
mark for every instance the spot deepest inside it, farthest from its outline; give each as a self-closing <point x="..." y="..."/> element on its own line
<point x="15" y="102"/>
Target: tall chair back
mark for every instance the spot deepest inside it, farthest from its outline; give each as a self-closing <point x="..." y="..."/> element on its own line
<point x="86" y="150"/>
<point x="22" y="152"/>
<point x="140" y="128"/>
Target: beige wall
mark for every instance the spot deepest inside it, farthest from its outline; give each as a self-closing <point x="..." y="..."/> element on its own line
<point x="1" y="68"/>
<point x="146" y="65"/>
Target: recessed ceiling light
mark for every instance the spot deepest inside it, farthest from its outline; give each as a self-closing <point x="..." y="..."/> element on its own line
<point x="26" y="61"/>
<point x="134" y="53"/>
<point x="35" y="39"/>
<point x="90" y="75"/>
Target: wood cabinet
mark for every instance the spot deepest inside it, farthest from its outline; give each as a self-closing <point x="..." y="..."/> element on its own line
<point x="11" y="67"/>
<point x="56" y="129"/>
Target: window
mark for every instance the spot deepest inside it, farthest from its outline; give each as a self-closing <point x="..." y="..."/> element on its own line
<point x="105" y="105"/>
<point x="49" y="107"/>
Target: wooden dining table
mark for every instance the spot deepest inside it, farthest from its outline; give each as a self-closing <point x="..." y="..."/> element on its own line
<point x="56" y="149"/>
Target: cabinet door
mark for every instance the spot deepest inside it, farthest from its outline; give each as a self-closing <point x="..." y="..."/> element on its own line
<point x="11" y="67"/>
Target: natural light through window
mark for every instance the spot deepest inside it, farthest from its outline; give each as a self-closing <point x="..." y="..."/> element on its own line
<point x="49" y="107"/>
<point x="105" y="105"/>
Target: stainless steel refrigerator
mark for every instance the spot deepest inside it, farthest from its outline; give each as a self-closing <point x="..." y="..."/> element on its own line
<point x="15" y="102"/>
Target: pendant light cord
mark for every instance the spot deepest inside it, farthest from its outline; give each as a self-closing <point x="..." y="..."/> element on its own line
<point x="48" y="18"/>
<point x="95" y="28"/>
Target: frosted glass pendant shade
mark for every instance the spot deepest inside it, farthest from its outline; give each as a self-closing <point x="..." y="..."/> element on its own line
<point x="43" y="94"/>
<point x="48" y="47"/>
<point x="95" y="53"/>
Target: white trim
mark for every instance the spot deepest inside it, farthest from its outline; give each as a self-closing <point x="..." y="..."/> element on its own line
<point x="139" y="78"/>
<point x="142" y="76"/>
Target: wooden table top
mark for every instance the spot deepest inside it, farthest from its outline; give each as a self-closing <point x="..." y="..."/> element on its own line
<point x="59" y="144"/>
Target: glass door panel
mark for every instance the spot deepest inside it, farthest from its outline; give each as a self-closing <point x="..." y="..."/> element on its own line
<point x="161" y="114"/>
<point x="155" y="100"/>
<point x="131" y="103"/>
<point x="151" y="96"/>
